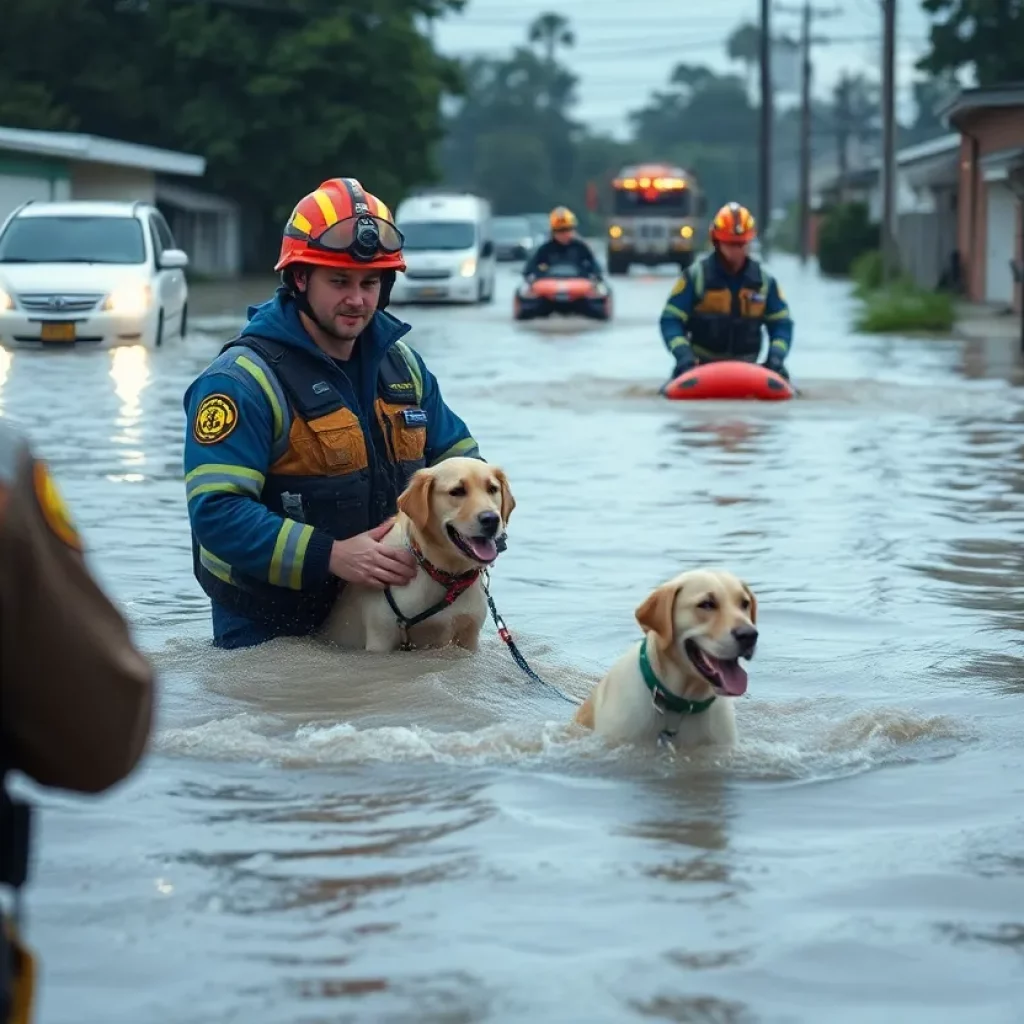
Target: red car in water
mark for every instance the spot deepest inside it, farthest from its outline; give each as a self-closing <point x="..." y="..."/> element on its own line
<point x="563" y="289"/>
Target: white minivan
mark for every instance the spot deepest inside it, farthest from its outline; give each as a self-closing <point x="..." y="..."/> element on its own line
<point x="90" y="274"/>
<point x="449" y="249"/>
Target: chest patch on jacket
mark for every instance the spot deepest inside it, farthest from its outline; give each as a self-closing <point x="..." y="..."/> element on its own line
<point x="414" y="417"/>
<point x="751" y="303"/>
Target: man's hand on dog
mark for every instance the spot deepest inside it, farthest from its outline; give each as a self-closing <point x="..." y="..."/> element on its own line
<point x="364" y="559"/>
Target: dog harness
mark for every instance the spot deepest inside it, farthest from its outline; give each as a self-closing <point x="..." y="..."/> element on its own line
<point x="455" y="585"/>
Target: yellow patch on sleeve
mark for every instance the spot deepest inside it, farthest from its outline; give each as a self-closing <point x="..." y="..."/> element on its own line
<point x="216" y="418"/>
<point x="52" y="505"/>
<point x="679" y="287"/>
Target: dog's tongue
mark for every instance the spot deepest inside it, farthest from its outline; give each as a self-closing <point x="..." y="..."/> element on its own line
<point x="484" y="548"/>
<point x="732" y="676"/>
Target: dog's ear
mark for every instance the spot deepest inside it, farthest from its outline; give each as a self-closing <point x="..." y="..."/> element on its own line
<point x="507" y="501"/>
<point x="753" y="603"/>
<point x="655" y="614"/>
<point x="414" y="501"/>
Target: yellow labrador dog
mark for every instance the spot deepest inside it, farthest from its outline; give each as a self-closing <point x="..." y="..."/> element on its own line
<point x="453" y="516"/>
<point x="675" y="683"/>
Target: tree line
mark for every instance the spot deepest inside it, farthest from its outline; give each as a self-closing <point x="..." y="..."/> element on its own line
<point x="514" y="138"/>
<point x="279" y="94"/>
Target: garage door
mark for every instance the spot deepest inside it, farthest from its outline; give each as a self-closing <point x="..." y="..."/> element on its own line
<point x="15" y="190"/>
<point x="1000" y="244"/>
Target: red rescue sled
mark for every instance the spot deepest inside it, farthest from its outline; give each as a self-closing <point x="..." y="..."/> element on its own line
<point x="730" y="379"/>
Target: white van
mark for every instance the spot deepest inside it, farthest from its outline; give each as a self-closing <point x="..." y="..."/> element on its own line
<point x="449" y="249"/>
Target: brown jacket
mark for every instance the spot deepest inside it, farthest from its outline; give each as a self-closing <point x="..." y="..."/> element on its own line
<point x="76" y="695"/>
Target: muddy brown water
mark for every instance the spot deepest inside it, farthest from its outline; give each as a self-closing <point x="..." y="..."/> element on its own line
<point x="318" y="836"/>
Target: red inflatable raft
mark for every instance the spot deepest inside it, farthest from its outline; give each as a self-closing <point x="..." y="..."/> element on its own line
<point x="730" y="379"/>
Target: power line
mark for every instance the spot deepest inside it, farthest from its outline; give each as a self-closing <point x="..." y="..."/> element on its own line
<point x="571" y="55"/>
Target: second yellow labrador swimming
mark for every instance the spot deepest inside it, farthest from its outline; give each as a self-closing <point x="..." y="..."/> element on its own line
<point x="679" y="680"/>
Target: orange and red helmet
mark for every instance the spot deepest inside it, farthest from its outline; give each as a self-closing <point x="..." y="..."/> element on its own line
<point x="733" y="223"/>
<point x="341" y="225"/>
<point x="562" y="218"/>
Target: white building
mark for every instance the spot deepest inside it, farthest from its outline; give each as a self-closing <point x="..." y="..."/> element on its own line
<point x="41" y="166"/>
<point x="925" y="194"/>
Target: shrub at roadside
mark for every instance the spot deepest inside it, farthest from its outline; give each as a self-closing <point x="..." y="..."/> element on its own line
<point x="905" y="307"/>
<point x="846" y="232"/>
<point x="866" y="272"/>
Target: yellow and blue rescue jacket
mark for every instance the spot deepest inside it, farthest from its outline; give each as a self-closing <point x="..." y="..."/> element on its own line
<point x="721" y="315"/>
<point x="288" y="450"/>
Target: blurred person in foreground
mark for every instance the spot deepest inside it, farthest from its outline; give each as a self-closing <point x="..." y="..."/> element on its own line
<point x="564" y="246"/>
<point x="76" y="695"/>
<point x="720" y="305"/>
<point x="304" y="430"/>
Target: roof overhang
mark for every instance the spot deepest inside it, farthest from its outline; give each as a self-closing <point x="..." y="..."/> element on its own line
<point x="96" y="150"/>
<point x="970" y="101"/>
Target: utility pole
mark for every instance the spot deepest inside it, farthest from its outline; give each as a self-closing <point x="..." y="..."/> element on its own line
<point x="765" y="178"/>
<point x="890" y="252"/>
<point x="805" y="135"/>
<point x="843" y="125"/>
<point x="807" y="12"/>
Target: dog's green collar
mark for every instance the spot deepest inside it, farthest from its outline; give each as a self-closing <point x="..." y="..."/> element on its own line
<point x="666" y="700"/>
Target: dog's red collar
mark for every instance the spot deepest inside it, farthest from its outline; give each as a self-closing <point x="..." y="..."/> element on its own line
<point x="454" y="583"/>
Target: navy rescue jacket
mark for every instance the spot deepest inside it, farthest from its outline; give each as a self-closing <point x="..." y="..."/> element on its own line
<point x="288" y="450"/>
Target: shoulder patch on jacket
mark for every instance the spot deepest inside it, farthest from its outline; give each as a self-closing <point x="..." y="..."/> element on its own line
<point x="215" y="419"/>
<point x="55" y="511"/>
<point x="680" y="286"/>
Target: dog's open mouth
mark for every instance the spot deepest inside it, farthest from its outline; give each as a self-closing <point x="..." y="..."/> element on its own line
<point x="481" y="549"/>
<point x="729" y="678"/>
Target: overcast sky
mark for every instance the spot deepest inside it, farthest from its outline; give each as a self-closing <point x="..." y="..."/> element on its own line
<point x="626" y="48"/>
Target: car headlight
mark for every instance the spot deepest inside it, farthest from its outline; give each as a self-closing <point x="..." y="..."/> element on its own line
<point x="468" y="268"/>
<point x="525" y="290"/>
<point x="6" y="301"/>
<point x="686" y="231"/>
<point x="129" y="300"/>
<point x="601" y="289"/>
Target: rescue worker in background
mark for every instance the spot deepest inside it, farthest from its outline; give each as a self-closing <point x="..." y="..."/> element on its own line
<point x="304" y="430"/>
<point x="76" y="695"/>
<point x="564" y="246"/>
<point x="719" y="305"/>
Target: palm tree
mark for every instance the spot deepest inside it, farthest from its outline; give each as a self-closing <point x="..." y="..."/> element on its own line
<point x="550" y="31"/>
<point x="744" y="45"/>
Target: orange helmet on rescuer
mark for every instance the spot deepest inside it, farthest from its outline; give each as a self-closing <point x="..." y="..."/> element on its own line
<point x="561" y="218"/>
<point x="733" y="223"/>
<point x="341" y="225"/>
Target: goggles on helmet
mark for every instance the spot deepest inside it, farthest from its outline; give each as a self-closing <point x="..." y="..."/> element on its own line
<point x="363" y="237"/>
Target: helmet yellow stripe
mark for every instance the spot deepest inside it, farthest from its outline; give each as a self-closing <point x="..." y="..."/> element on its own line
<point x="301" y="223"/>
<point x="323" y="200"/>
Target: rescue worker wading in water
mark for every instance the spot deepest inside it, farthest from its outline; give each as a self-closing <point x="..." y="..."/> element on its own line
<point x="76" y="695"/>
<point x="302" y="433"/>
<point x="719" y="305"/>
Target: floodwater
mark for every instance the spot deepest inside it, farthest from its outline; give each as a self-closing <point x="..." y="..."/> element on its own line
<point x="326" y="837"/>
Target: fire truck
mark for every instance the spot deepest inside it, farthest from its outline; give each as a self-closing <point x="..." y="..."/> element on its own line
<point x="657" y="217"/>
